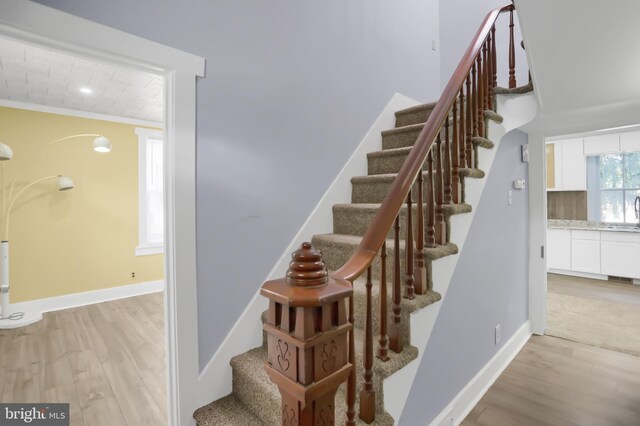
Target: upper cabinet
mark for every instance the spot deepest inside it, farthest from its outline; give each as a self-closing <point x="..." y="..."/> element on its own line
<point x="566" y="165"/>
<point x="602" y="144"/>
<point x="630" y="141"/>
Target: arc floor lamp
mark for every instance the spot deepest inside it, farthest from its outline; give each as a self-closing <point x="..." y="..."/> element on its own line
<point x="10" y="193"/>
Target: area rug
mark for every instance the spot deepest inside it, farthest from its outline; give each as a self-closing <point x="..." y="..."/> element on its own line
<point x="601" y="323"/>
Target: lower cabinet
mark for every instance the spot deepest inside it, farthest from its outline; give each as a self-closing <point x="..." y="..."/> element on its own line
<point x="585" y="251"/>
<point x="620" y="254"/>
<point x="559" y="249"/>
<point x="594" y="252"/>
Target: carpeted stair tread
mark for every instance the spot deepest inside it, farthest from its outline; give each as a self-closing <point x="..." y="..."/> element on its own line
<point x="337" y="248"/>
<point x="407" y="307"/>
<point x="228" y="411"/>
<point x="401" y="136"/>
<point x="472" y="173"/>
<point x="264" y="398"/>
<point x="387" y="160"/>
<point x="353" y="240"/>
<point x="482" y="142"/>
<point x="373" y="188"/>
<point x="354" y="219"/>
<point x="415" y="114"/>
<point x="493" y="116"/>
<point x="515" y="91"/>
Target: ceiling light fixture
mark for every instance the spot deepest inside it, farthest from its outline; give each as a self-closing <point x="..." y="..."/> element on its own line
<point x="86" y="90"/>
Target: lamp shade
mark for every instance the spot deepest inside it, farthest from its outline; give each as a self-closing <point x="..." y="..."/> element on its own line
<point x="102" y="144"/>
<point x="6" y="153"/>
<point x="65" y="183"/>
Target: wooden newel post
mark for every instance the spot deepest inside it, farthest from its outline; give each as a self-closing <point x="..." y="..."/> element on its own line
<point x="307" y="330"/>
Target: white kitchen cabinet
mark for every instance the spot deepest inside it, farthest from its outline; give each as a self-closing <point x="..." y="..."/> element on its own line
<point x="630" y="141"/>
<point x="569" y="165"/>
<point x="601" y="144"/>
<point x="585" y="251"/>
<point x="620" y="255"/>
<point x="559" y="249"/>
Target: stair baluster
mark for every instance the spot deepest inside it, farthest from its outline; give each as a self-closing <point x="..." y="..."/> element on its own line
<point x="367" y="394"/>
<point x="479" y="102"/>
<point x="431" y="230"/>
<point x="408" y="248"/>
<point x="463" y="134"/>
<point x="441" y="230"/>
<point x="479" y="114"/>
<point x="470" y="122"/>
<point x="395" y="339"/>
<point x="455" y="154"/>
<point x="420" y="272"/>
<point x="489" y="62"/>
<point x="446" y="163"/>
<point x="485" y="77"/>
<point x="494" y="83"/>
<point x="512" y="53"/>
<point x="383" y="341"/>
<point x="351" y="381"/>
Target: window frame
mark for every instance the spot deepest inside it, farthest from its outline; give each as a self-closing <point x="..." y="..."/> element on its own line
<point x="623" y="189"/>
<point x="144" y="247"/>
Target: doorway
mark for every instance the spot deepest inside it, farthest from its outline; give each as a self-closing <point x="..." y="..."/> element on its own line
<point x="593" y="238"/>
<point x="30" y="22"/>
<point x="82" y="200"/>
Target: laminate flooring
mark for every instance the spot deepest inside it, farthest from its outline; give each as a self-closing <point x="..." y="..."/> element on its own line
<point x="106" y="360"/>
<point x="558" y="382"/>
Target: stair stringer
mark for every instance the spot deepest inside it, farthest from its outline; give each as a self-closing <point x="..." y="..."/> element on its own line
<point x="215" y="379"/>
<point x="517" y="110"/>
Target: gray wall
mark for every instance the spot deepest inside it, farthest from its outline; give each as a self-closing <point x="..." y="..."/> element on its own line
<point x="489" y="287"/>
<point x="291" y="87"/>
<point x="457" y="29"/>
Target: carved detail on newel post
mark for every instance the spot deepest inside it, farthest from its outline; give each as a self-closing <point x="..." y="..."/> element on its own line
<point x="307" y="332"/>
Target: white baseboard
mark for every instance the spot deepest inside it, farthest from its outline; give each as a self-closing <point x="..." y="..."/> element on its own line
<point x="246" y="334"/>
<point x="88" y="297"/>
<point x="578" y="274"/>
<point x="471" y="394"/>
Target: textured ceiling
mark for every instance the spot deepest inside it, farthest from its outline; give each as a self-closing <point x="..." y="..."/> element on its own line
<point x="40" y="76"/>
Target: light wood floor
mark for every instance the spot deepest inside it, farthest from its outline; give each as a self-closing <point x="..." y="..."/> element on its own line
<point x="106" y="360"/>
<point x="613" y="291"/>
<point x="558" y="382"/>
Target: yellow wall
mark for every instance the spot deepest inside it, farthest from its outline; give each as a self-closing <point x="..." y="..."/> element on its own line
<point x="78" y="240"/>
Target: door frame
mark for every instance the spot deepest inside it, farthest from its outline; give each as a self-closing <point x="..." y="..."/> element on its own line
<point x="537" y="233"/>
<point x="34" y="23"/>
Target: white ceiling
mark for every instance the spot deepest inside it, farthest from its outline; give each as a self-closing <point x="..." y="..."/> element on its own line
<point x="585" y="59"/>
<point x="40" y="76"/>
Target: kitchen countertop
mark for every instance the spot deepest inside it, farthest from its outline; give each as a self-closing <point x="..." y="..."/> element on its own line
<point x="588" y="225"/>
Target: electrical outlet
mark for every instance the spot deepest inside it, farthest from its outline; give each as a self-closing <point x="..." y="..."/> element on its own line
<point x="133" y="275"/>
<point x="497" y="334"/>
<point x="510" y="197"/>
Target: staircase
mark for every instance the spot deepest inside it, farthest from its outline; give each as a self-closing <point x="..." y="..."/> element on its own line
<point x="400" y="211"/>
<point x="255" y="399"/>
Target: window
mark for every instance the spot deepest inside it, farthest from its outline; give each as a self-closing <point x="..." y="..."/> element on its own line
<point x="150" y="192"/>
<point x="619" y="186"/>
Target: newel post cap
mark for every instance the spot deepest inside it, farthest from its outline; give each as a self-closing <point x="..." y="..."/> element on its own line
<point x="307" y="269"/>
<point x="307" y="282"/>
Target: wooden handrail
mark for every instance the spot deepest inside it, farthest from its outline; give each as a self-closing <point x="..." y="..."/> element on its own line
<point x="376" y="234"/>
